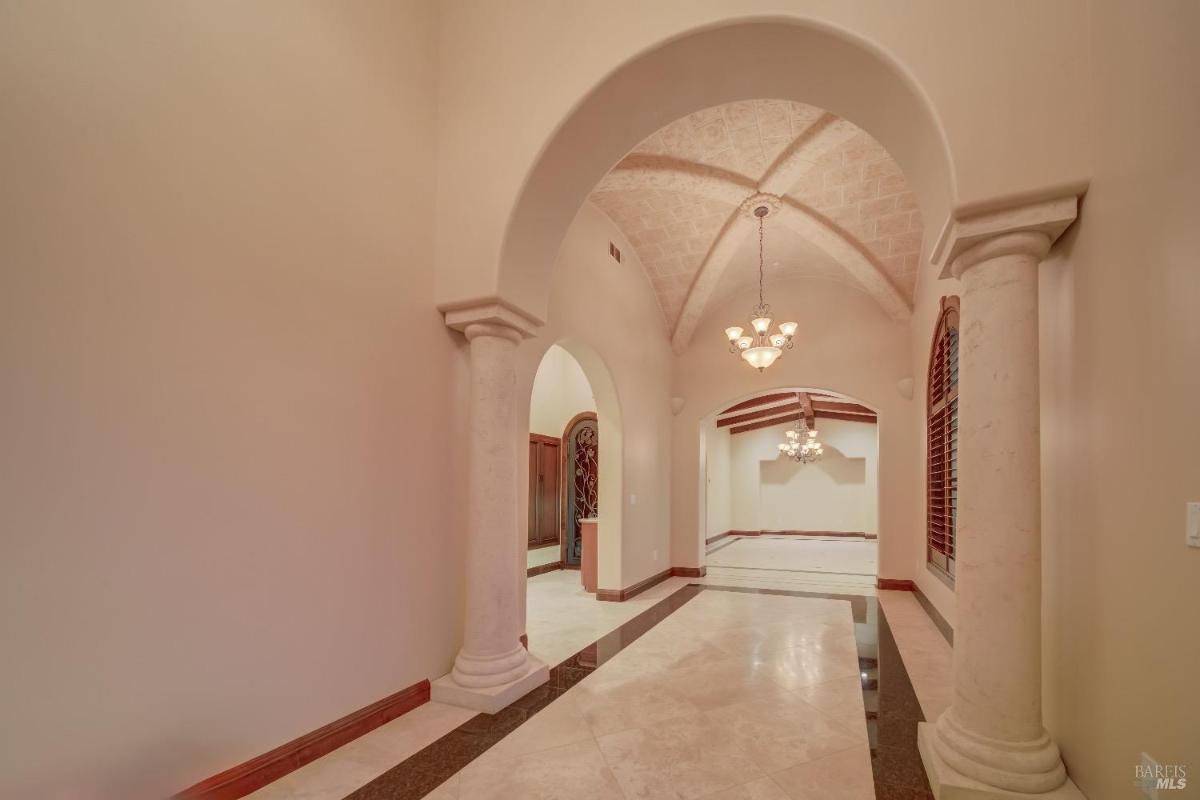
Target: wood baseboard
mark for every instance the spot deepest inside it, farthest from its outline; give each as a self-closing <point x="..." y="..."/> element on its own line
<point x="543" y="568"/>
<point x="256" y="773"/>
<point x="845" y="534"/>
<point x="719" y="537"/>
<point x="620" y="595"/>
<point x="895" y="585"/>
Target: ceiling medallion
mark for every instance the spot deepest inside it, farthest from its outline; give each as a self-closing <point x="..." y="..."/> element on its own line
<point x="761" y="349"/>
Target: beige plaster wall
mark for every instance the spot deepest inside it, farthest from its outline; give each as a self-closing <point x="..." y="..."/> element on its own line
<point x="1121" y="364"/>
<point x="845" y="343"/>
<point x="606" y="316"/>
<point x="226" y="392"/>
<point x="718" y="489"/>
<point x="560" y="391"/>
<point x="837" y="493"/>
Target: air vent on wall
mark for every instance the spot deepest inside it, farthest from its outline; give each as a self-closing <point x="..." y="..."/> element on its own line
<point x="614" y="251"/>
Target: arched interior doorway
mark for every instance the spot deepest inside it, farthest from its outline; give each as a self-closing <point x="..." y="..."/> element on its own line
<point x="575" y="460"/>
<point x="799" y="520"/>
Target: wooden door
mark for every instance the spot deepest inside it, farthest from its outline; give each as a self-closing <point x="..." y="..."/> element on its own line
<point x="543" y="490"/>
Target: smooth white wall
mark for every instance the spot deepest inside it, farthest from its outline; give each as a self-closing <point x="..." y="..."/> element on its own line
<point x="227" y="405"/>
<point x="560" y="392"/>
<point x="837" y="493"/>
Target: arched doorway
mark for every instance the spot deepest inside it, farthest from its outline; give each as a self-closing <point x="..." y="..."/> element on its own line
<point x="806" y="523"/>
<point x="789" y="60"/>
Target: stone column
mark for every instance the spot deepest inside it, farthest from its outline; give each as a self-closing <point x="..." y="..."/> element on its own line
<point x="991" y="742"/>
<point x="492" y="668"/>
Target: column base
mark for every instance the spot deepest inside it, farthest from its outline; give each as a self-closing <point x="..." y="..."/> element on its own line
<point x="949" y="784"/>
<point x="491" y="699"/>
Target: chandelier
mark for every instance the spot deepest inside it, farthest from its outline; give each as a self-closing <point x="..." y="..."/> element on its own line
<point x="763" y="348"/>
<point x="801" y="444"/>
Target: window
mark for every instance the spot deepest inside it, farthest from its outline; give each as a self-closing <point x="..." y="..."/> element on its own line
<point x="942" y="462"/>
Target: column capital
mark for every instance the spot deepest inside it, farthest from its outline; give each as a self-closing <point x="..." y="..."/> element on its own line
<point x="1011" y="228"/>
<point x="493" y="312"/>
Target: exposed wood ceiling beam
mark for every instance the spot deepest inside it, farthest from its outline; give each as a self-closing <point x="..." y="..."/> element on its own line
<point x="760" y="401"/>
<point x="766" y="423"/>
<point x="845" y="408"/>
<point x="818" y="415"/>
<point x="871" y="419"/>
<point x="761" y="413"/>
<point x="806" y="407"/>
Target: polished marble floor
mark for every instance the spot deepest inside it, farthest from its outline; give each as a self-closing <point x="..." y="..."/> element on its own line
<point x="799" y="563"/>
<point x="734" y="694"/>
<point x="727" y="694"/>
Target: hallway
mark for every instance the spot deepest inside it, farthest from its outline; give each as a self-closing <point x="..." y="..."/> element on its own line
<point x="342" y="342"/>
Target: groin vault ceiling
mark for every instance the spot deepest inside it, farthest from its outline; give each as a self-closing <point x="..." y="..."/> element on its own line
<point x="841" y="209"/>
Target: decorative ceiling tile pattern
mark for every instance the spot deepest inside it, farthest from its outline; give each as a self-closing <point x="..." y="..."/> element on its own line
<point x="744" y="137"/>
<point x="854" y="185"/>
<point x="859" y="187"/>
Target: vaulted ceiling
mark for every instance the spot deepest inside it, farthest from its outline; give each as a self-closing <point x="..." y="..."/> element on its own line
<point x="841" y="209"/>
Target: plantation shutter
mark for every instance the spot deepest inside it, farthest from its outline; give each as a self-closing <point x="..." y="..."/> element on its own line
<point x="942" y="462"/>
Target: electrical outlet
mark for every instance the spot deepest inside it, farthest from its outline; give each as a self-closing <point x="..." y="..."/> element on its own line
<point x="1193" y="524"/>
<point x="633" y="499"/>
<point x="655" y="554"/>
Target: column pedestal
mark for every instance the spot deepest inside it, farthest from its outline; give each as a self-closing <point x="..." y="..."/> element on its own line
<point x="949" y="784"/>
<point x="493" y="668"/>
<point x="491" y="699"/>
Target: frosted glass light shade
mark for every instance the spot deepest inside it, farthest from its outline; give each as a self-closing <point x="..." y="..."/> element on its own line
<point x="733" y="333"/>
<point x="761" y="357"/>
<point x="788" y="329"/>
<point x="744" y="342"/>
<point x="778" y="340"/>
<point x="761" y="324"/>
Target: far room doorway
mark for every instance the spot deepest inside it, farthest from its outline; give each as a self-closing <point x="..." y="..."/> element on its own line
<point x="777" y="514"/>
<point x="563" y="461"/>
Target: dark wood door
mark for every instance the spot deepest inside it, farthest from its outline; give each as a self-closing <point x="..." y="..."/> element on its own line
<point x="544" y="491"/>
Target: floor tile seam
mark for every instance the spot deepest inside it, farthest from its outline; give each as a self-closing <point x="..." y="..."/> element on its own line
<point x="839" y="751"/>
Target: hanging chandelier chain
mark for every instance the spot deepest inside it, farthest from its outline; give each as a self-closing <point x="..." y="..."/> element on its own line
<point x="760" y="261"/>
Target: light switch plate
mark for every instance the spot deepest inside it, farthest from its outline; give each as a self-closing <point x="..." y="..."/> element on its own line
<point x="1193" y="524"/>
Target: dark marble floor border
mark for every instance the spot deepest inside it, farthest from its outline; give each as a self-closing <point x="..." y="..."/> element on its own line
<point x="892" y="710"/>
